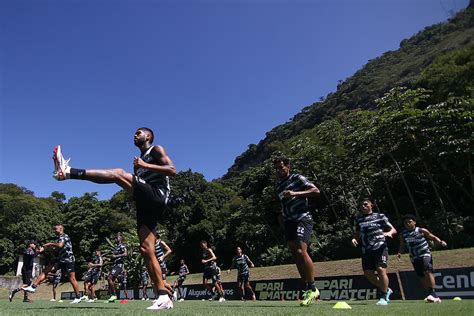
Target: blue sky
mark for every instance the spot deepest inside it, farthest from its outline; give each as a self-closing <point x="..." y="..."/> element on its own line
<point x="210" y="77"/>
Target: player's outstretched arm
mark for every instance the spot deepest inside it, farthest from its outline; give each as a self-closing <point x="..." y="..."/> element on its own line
<point x="432" y="237"/>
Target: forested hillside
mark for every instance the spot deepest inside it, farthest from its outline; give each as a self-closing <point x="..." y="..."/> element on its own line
<point x="400" y="129"/>
<point x="394" y="68"/>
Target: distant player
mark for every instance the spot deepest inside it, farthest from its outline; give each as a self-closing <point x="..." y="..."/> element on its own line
<point x="295" y="217"/>
<point x="92" y="276"/>
<point x="144" y="280"/>
<point x="178" y="283"/>
<point x="211" y="272"/>
<point x="415" y="238"/>
<point x="162" y="250"/>
<point x="66" y="263"/>
<point x="53" y="279"/>
<point x="29" y="255"/>
<point x="123" y="281"/>
<point x="242" y="262"/>
<point x="372" y="229"/>
<point x="148" y="186"/>
<point x="118" y="266"/>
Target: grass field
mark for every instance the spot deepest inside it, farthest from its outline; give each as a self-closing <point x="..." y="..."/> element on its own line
<point x="465" y="307"/>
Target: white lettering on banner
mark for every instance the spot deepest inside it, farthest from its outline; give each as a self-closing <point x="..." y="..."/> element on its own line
<point x="279" y="295"/>
<point x="345" y="294"/>
<point x="458" y="281"/>
<point x="183" y="292"/>
<point x="270" y="286"/>
<point x="334" y="284"/>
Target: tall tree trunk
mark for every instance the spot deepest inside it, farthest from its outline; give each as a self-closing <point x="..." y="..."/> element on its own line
<point x="410" y="195"/>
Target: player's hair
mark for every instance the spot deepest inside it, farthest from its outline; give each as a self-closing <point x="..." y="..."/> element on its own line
<point x="283" y="159"/>
<point x="57" y="224"/>
<point x="409" y="216"/>
<point x="366" y="198"/>
<point x="149" y="131"/>
<point x="203" y="242"/>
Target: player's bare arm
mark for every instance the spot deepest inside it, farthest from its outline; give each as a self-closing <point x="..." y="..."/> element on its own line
<point x="166" y="166"/>
<point x="392" y="232"/>
<point x="310" y="191"/>
<point x="432" y="237"/>
<point x="402" y="247"/>
<point x="166" y="250"/>
<point x="356" y="238"/>
<point x="213" y="257"/>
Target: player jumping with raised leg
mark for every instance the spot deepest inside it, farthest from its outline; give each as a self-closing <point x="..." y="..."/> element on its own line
<point x="149" y="187"/>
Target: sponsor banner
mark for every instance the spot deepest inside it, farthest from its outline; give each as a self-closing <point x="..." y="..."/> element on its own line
<point x="355" y="287"/>
<point x="198" y="292"/>
<point x="449" y="283"/>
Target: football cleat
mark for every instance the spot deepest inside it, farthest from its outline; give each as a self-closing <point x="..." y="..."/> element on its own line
<point x="163" y="302"/>
<point x="309" y="297"/>
<point x="61" y="165"/>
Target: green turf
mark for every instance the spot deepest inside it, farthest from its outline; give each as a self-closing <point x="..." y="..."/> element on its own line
<point x="399" y="308"/>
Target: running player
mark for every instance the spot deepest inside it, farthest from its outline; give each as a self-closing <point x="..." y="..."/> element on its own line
<point x="295" y="217"/>
<point x="118" y="267"/>
<point x="243" y="262"/>
<point x="211" y="272"/>
<point x="53" y="279"/>
<point x="178" y="283"/>
<point x="66" y="263"/>
<point x="29" y="255"/>
<point x="162" y="250"/>
<point x="92" y="276"/>
<point x="149" y="187"/>
<point x="372" y="229"/>
<point x="415" y="238"/>
<point x="144" y="279"/>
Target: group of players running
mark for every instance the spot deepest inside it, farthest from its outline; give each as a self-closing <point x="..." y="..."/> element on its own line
<point x="149" y="188"/>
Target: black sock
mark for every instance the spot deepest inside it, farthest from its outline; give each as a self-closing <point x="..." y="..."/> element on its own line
<point x="77" y="173"/>
<point x="432" y="292"/>
<point x="310" y="286"/>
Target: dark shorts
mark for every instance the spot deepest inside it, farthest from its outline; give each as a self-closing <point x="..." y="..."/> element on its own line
<point x="180" y="280"/>
<point x="299" y="231"/>
<point x="376" y="258"/>
<point x="27" y="276"/>
<point x="150" y="203"/>
<point x="422" y="265"/>
<point x="164" y="269"/>
<point x="92" y="277"/>
<point x="210" y="273"/>
<point x="54" y="280"/>
<point x="66" y="268"/>
<point x="117" y="271"/>
<point x="244" y="277"/>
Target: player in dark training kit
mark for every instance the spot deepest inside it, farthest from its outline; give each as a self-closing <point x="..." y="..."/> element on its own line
<point x="415" y="238"/>
<point x="295" y="217"/>
<point x="53" y="279"/>
<point x="66" y="263"/>
<point x="29" y="256"/>
<point x="92" y="276"/>
<point x="372" y="229"/>
<point x="118" y="267"/>
<point x="182" y="273"/>
<point x="149" y="187"/>
<point x="162" y="250"/>
<point x="243" y="264"/>
<point x="211" y="272"/>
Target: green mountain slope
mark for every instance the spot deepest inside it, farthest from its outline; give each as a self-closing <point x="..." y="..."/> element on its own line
<point x="394" y="68"/>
